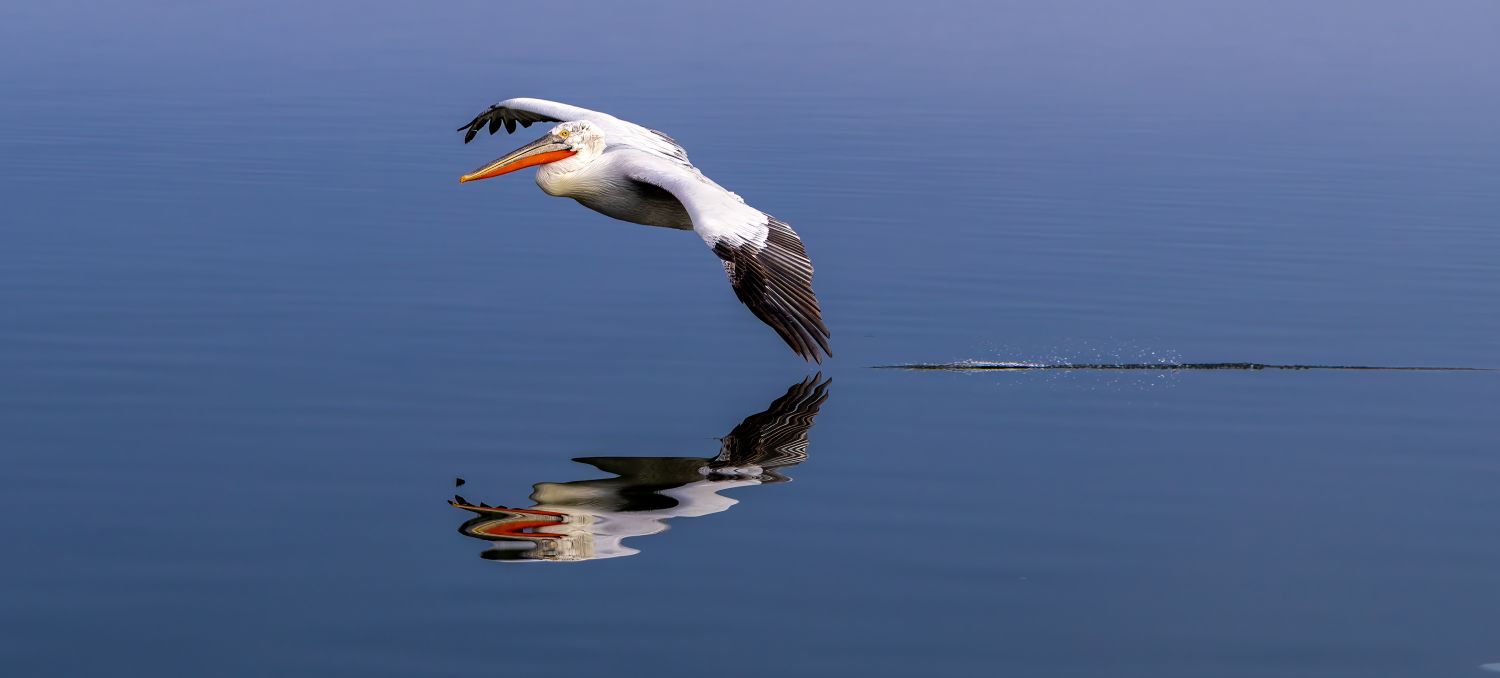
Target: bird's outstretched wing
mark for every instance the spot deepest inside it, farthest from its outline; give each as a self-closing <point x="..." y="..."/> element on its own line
<point x="524" y="112"/>
<point x="764" y="258"/>
<point x="778" y="436"/>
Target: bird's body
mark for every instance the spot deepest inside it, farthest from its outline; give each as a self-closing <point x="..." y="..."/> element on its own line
<point x="639" y="175"/>
<point x="605" y="188"/>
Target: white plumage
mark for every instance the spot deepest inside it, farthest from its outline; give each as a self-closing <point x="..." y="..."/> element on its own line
<point x="635" y="174"/>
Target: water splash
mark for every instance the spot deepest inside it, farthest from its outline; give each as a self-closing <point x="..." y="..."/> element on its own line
<point x="1003" y="366"/>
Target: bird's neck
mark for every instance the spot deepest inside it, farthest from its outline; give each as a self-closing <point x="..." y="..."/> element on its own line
<point x="564" y="177"/>
<point x="557" y="181"/>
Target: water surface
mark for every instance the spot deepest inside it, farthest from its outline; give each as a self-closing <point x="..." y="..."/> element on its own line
<point x="253" y="329"/>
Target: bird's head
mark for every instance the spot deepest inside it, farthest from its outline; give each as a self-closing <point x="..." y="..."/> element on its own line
<point x="571" y="145"/>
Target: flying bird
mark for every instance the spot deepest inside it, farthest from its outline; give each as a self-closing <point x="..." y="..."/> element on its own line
<point x="631" y="173"/>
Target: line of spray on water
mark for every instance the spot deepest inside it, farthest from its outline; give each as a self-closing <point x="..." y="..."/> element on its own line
<point x="1012" y="366"/>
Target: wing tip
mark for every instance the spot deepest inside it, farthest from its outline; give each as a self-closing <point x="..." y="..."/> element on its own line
<point x="813" y="353"/>
<point x="797" y="321"/>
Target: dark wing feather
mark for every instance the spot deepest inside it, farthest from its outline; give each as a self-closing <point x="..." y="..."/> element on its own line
<point x="774" y="281"/>
<point x="499" y="115"/>
<point x="525" y="111"/>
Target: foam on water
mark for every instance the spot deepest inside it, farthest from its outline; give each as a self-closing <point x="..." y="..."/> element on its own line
<point x="991" y="365"/>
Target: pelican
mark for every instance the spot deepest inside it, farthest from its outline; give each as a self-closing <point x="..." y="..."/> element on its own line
<point x="639" y="175"/>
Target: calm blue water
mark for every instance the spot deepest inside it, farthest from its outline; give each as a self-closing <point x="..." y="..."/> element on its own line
<point x="252" y="329"/>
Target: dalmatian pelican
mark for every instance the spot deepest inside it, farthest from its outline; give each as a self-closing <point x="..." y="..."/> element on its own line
<point x="631" y="173"/>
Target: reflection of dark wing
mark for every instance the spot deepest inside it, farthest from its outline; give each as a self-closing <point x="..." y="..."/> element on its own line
<point x="778" y="436"/>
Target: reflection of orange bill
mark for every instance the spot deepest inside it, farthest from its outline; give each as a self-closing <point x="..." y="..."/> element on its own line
<point x="513" y="523"/>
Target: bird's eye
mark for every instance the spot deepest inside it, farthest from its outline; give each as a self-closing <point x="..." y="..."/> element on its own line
<point x="564" y="134"/>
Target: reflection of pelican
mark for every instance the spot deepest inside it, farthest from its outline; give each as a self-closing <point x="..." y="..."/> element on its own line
<point x="587" y="519"/>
